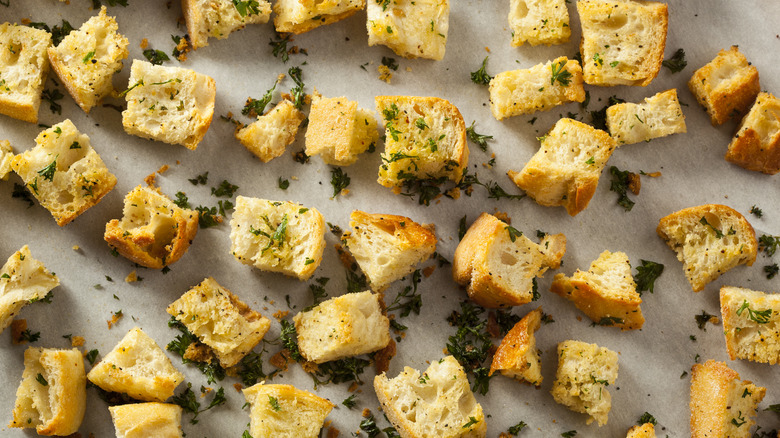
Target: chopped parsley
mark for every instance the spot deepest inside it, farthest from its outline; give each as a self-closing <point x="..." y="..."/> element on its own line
<point x="181" y="343"/>
<point x="560" y="74"/>
<point x="244" y="8"/>
<point x="22" y="193"/>
<point x="297" y="91"/>
<point x="350" y="402"/>
<point x="771" y="271"/>
<point x="390" y="63"/>
<point x="408" y="300"/>
<point x="513" y="232"/>
<point x="208" y="217"/>
<point x="280" y="47"/>
<point x="52" y="96"/>
<point x="27" y="335"/>
<point x="256" y="107"/>
<point x="91" y="356"/>
<point x="757" y="212"/>
<point x="768" y="244"/>
<point x="597" y="60"/>
<point x="41" y="380"/>
<point x="480" y="77"/>
<point x="189" y="401"/>
<point x="677" y="62"/>
<point x="462" y="228"/>
<point x="58" y="33"/>
<point x="619" y="185"/>
<point x="472" y="421"/>
<point x="647" y="418"/>
<point x="703" y="319"/>
<point x="48" y="171"/>
<point x="471" y="344"/>
<point x="181" y="200"/>
<point x="759" y="316"/>
<point x="646" y="275"/>
<point x="478" y="139"/>
<point x="283" y="183"/>
<point x="156" y="57"/>
<point x="224" y="190"/>
<point x="514" y="430"/>
<point x="274" y="402"/>
<point x="569" y="434"/>
<point x="96" y="3"/>
<point x="718" y="233"/>
<point x="599" y="117"/>
<point x="88" y="57"/>
<point x="609" y="321"/>
<point x="200" y="179"/>
<point x="339" y="180"/>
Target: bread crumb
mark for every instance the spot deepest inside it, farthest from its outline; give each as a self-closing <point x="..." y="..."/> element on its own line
<point x="384" y="73"/>
<point x="333" y="432"/>
<point x="133" y="276"/>
<point x="115" y="317"/>
<point x="281" y="314"/>
<point x="428" y="271"/>
<point x="75" y="248"/>
<point x="409" y="69"/>
<point x="353" y="387"/>
<point x="310" y="367"/>
<point x="144" y="43"/>
<point x="487" y="49"/>
<point x="280" y="360"/>
<point x="198" y="352"/>
<point x="17" y="327"/>
<point x="366" y="413"/>
<point x="77" y="341"/>
<point x="453" y="193"/>
<point x="634" y="183"/>
<point x="164" y="168"/>
<point x="150" y="179"/>
<point x="183" y="47"/>
<point x="238" y="387"/>
<point x="653" y="174"/>
<point x="205" y="390"/>
<point x="26" y="21"/>
<point x="502" y="215"/>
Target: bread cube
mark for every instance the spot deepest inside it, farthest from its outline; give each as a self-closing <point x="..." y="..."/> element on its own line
<point x="756" y="146"/>
<point x="144" y="420"/>
<point x="499" y="265"/>
<point x="219" y="18"/>
<point x="622" y="41"/>
<point x="64" y="173"/>
<point x="709" y="239"/>
<point x="606" y="292"/>
<point x="388" y="247"/>
<point x="410" y="28"/>
<point x="283" y="411"/>
<point x="23" y="70"/>
<point x="727" y="86"/>
<point x="584" y="372"/>
<point x="721" y="404"/>
<point x="52" y="397"/>
<point x="220" y="320"/>
<point x="539" y="88"/>
<point x="425" y="138"/>
<point x="658" y="116"/>
<point x="154" y="232"/>
<point x="138" y="367"/>
<point x="87" y="59"/>
<point x="517" y="356"/>
<point x="539" y="22"/>
<point x="299" y="16"/>
<point x="23" y="280"/>
<point x="338" y="130"/>
<point x="277" y="236"/>
<point x="751" y="323"/>
<point x="437" y="403"/>
<point x="646" y="430"/>
<point x="566" y="169"/>
<point x="269" y="135"/>
<point x="169" y="104"/>
<point x="6" y="156"/>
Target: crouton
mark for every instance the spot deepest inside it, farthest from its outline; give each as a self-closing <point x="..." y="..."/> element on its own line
<point x="751" y="323"/>
<point x="410" y="28"/>
<point x="517" y="356"/>
<point x="299" y="16"/>
<point x="23" y="280"/>
<point x="219" y="18"/>
<point x="6" y="156"/>
<point x="23" y="70"/>
<point x="144" y="420"/>
<point x="269" y="135"/>
<point x="756" y="146"/>
<point x="283" y="411"/>
<point x="338" y="130"/>
<point x="658" y="116"/>
<point x="539" y="22"/>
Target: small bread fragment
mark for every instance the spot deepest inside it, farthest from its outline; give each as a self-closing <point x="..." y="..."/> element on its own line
<point x="338" y="130"/>
<point x="658" y="116"/>
<point x="425" y="138"/>
<point x="144" y="420"/>
<point x="388" y="247"/>
<point x="268" y="136"/>
<point x="539" y="88"/>
<point x="219" y="18"/>
<point x="52" y="397"/>
<point x="410" y="28"/>
<point x="646" y="430"/>
<point x="173" y="105"/>
<point x="6" y="156"/>
<point x="285" y="411"/>
<point x="721" y="404"/>
<point x="299" y="16"/>
<point x="138" y="367"/>
<point x="709" y="239"/>
<point x="277" y="236"/>
<point x="23" y="280"/>
<point x="566" y="169"/>
<point x="87" y="59"/>
<point x="751" y="323"/>
<point x="154" y="232"/>
<point x="23" y="70"/>
<point x="517" y="356"/>
<point x="726" y="86"/>
<point x="606" y="292"/>
<point x="756" y="146"/>
<point x="438" y="403"/>
<point x="499" y="265"/>
<point x="539" y="22"/>
<point x="622" y="41"/>
<point x="584" y="372"/>
<point x="64" y="173"/>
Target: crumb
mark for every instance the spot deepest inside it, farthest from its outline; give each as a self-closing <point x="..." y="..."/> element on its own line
<point x="281" y="314"/>
<point x="579" y="318"/>
<point x="502" y="215"/>
<point x="384" y="73"/>
<point x="333" y="432"/>
<point x="150" y="179"/>
<point x="205" y="390"/>
<point x="492" y="326"/>
<point x="310" y="367"/>
<point x="353" y="387"/>
<point x="144" y="43"/>
<point x="653" y="174"/>
<point x="164" y="168"/>
<point x="453" y="193"/>
<point x="280" y="360"/>
<point x="345" y="257"/>
<point x="115" y="317"/>
<point x="198" y="352"/>
<point x="487" y="49"/>
<point x="131" y="277"/>
<point x="238" y="387"/>
<point x="344" y="192"/>
<point x="77" y="341"/>
<point x="26" y="21"/>
<point x="634" y="183"/>
<point x="179" y="162"/>
<point x="366" y="413"/>
<point x="183" y="47"/>
<point x="75" y="248"/>
<point x="429" y="270"/>
<point x="383" y="356"/>
<point x="17" y="327"/>
<point x="409" y="69"/>
<point x="294" y="178"/>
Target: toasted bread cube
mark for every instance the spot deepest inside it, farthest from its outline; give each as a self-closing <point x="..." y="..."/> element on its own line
<point x="622" y="41"/>
<point x="517" y="356"/>
<point x="219" y="18"/>
<point x="410" y="28"/>
<point x="658" y="116"/>
<point x="646" y="430"/>
<point x="63" y="172"/>
<point x="154" y="232"/>
<point x="566" y="169"/>
<point x="425" y="138"/>
<point x="138" y="367"/>
<point x="285" y="411"/>
<point x="338" y="130"/>
<point x="299" y="16"/>
<point x="709" y="239"/>
<point x="344" y="326"/>
<point x="277" y="236"/>
<point x="498" y="266"/>
<point x="606" y="292"/>
<point x="169" y="104"/>
<point x="268" y="136"/>
<point x="751" y="323"/>
<point x="539" y="22"/>
<point x="220" y="320"/>
<point x="144" y="420"/>
<point x="721" y="404"/>
<point x="538" y="88"/>
<point x="388" y="247"/>
<point x="52" y="397"/>
<point x="87" y="59"/>
<point x="23" y="280"/>
<point x="438" y="403"/>
<point x="756" y="146"/>
<point x="584" y="372"/>
<point x="727" y="86"/>
<point x="23" y="70"/>
<point x="6" y="156"/>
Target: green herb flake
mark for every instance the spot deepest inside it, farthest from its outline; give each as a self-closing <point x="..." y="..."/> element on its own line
<point x="476" y="138"/>
<point x="677" y="62"/>
<point x="88" y="56"/>
<point x="646" y="274"/>
<point x="758" y="316"/>
<point x="560" y="74"/>
<point x="480" y="77"/>
<point x="339" y="180"/>
<point x="156" y="57"/>
<point x="41" y="380"/>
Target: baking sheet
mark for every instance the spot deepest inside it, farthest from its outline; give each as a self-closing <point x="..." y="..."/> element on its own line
<point x="651" y="360"/>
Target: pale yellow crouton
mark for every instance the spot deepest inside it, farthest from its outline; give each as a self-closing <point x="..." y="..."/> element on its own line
<point x="658" y="116"/>
<point x="411" y="28"/>
<point x="539" y="22"/>
<point x="283" y="411"/>
<point x="338" y="130"/>
<point x="23" y="70"/>
<point x="299" y="16"/>
<point x="219" y="18"/>
<point x="756" y="146"/>
<point x="271" y="133"/>
<point x="23" y="280"/>
<point x="751" y="323"/>
<point x="146" y="420"/>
